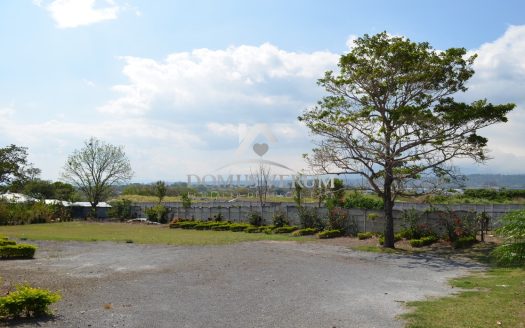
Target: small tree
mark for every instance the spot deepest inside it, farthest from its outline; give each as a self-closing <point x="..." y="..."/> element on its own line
<point x="97" y="167"/>
<point x="186" y="203"/>
<point x="262" y="185"/>
<point x="390" y="116"/>
<point x="319" y="192"/>
<point x="160" y="190"/>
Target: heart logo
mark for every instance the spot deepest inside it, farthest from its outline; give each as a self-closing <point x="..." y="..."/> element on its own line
<point x="260" y="149"/>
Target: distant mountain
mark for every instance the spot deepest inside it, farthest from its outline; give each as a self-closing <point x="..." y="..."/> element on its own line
<point x="512" y="181"/>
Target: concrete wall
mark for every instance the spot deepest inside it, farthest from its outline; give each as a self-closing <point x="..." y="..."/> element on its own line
<point x="239" y="212"/>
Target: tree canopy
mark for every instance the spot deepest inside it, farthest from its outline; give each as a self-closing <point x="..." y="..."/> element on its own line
<point x="14" y="166"/>
<point x="391" y="117"/>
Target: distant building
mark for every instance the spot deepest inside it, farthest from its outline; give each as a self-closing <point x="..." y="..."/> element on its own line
<point x="82" y="210"/>
<point x="79" y="210"/>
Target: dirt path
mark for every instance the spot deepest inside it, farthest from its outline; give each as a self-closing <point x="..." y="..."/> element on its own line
<point x="260" y="284"/>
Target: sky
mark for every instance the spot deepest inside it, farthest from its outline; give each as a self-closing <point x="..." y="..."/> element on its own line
<point x="181" y="85"/>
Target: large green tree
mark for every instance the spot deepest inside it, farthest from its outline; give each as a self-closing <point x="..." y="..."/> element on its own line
<point x="97" y="167"/>
<point x="391" y="116"/>
<point x="15" y="168"/>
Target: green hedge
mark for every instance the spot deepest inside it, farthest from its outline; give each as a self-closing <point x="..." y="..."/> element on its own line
<point x="4" y="242"/>
<point x="397" y="237"/>
<point x="304" y="232"/>
<point x="252" y="229"/>
<point x="238" y="227"/>
<point x="28" y="301"/>
<point x="329" y="234"/>
<point x="365" y="235"/>
<point x="425" y="241"/>
<point x="285" y="229"/>
<point x="188" y="224"/>
<point x="23" y="251"/>
<point x="463" y="242"/>
<point x="220" y="227"/>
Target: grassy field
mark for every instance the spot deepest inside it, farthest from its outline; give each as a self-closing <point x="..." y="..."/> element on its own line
<point x="492" y="299"/>
<point x="143" y="234"/>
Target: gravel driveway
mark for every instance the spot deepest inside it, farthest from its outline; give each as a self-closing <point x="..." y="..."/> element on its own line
<point x="258" y="284"/>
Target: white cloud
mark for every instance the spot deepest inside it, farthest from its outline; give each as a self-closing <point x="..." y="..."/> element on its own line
<point x="350" y="41"/>
<point x="239" y="78"/>
<point x="500" y="77"/>
<point x="75" y="13"/>
<point x="180" y="115"/>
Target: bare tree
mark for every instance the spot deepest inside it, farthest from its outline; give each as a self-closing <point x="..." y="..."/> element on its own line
<point x="95" y="168"/>
<point x="262" y="184"/>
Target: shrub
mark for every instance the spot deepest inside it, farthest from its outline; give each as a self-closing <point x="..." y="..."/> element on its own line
<point x="424" y="241"/>
<point x="202" y="226"/>
<point x="309" y="219"/>
<point x="463" y="242"/>
<point x="338" y="220"/>
<point x="25" y="213"/>
<point x="28" y="301"/>
<point x="285" y="229"/>
<point x="512" y="252"/>
<point x="236" y="227"/>
<point x="364" y="235"/>
<point x="329" y="234"/>
<point x="175" y="224"/>
<point x="358" y="200"/>
<point x="221" y="227"/>
<point x="121" y="209"/>
<point x="4" y="242"/>
<point x="413" y="229"/>
<point x="397" y="237"/>
<point x="252" y="229"/>
<point x="304" y="232"/>
<point x="458" y="226"/>
<point x="157" y="213"/>
<point x="22" y="251"/>
<point x="279" y="219"/>
<point x="188" y="224"/>
<point x="255" y="219"/>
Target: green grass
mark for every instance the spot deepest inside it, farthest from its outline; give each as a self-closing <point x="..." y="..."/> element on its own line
<point x="136" y="233"/>
<point x="375" y="249"/>
<point x="492" y="299"/>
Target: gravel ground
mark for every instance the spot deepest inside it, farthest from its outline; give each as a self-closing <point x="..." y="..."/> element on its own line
<point x="258" y="284"/>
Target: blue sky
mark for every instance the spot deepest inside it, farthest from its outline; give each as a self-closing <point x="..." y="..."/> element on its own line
<point x="172" y="81"/>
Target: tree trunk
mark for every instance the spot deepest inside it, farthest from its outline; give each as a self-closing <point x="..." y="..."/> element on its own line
<point x="389" y="215"/>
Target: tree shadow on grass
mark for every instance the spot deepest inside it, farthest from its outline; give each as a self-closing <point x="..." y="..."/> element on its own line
<point x="442" y="257"/>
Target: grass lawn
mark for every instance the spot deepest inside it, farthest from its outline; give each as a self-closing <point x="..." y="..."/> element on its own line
<point x="138" y="233"/>
<point x="492" y="299"/>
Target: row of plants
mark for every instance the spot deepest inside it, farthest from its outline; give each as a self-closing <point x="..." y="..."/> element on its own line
<point x="335" y="225"/>
<point x="9" y="249"/>
<point x="32" y="212"/>
<point x="459" y="230"/>
<point x="250" y="228"/>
